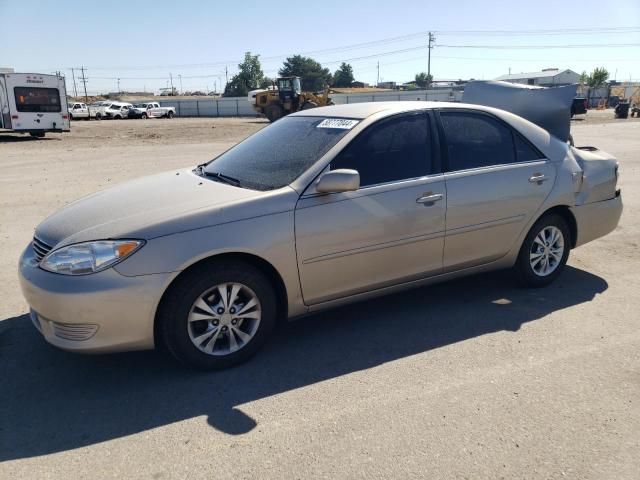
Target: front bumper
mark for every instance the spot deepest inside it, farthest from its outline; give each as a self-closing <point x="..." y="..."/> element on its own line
<point x="102" y="312"/>
<point x="597" y="219"/>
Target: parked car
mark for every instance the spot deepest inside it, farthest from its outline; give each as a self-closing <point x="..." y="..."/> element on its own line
<point x="80" y="110"/>
<point x="150" y="110"/>
<point x="323" y="207"/>
<point x="579" y="106"/>
<point x="117" y="110"/>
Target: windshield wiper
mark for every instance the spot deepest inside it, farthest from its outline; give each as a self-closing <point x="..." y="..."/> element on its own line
<point x="220" y="176"/>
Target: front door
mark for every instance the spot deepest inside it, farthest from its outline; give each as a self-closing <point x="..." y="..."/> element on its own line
<point x="496" y="181"/>
<point x="390" y="230"/>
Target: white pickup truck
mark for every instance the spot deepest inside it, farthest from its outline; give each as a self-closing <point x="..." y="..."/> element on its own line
<point x="150" y="110"/>
<point x="79" y="110"/>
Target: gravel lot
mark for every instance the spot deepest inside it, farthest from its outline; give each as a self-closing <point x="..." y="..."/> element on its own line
<point x="474" y="378"/>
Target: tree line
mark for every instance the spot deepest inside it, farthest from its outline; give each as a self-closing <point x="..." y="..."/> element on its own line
<point x="313" y="76"/>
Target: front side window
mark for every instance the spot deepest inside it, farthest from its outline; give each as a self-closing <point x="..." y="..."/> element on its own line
<point x="476" y="140"/>
<point x="278" y="154"/>
<point x="37" y="99"/>
<point x="393" y="149"/>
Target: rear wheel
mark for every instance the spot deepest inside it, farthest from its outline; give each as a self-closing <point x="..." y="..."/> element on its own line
<point x="71" y="116"/>
<point x="37" y="134"/>
<point x="274" y="112"/>
<point x="169" y="114"/>
<point x="98" y="116"/>
<point x="218" y="315"/>
<point x="544" y="252"/>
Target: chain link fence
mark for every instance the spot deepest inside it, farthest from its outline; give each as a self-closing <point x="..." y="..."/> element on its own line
<point x="240" y="106"/>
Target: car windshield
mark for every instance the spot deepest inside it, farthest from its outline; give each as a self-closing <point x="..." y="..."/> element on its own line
<point x="278" y="154"/>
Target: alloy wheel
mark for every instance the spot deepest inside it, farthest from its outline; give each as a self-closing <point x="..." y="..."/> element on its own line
<point x="224" y="319"/>
<point x="546" y="251"/>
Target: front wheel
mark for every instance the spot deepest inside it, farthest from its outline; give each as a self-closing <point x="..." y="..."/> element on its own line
<point x="544" y="252"/>
<point x="143" y="116"/>
<point x="169" y="114"/>
<point x="217" y="315"/>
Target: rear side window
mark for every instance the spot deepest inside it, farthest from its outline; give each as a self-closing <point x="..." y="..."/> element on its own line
<point x="476" y="140"/>
<point x="524" y="151"/>
<point x="391" y="150"/>
<point x="37" y="99"/>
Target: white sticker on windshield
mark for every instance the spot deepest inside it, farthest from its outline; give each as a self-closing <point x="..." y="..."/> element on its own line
<point x="342" y="123"/>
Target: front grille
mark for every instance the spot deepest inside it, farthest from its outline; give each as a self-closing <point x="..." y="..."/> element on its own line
<point x="74" y="331"/>
<point x="40" y="248"/>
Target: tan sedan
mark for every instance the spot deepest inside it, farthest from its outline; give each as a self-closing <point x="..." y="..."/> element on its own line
<point x="324" y="207"/>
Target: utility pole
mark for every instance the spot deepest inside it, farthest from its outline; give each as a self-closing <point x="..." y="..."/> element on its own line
<point x="378" y="79"/>
<point x="226" y="76"/>
<point x="75" y="89"/>
<point x="171" y="79"/>
<point x="432" y="39"/>
<point x="180" y="77"/>
<point x="118" y="85"/>
<point x="84" y="82"/>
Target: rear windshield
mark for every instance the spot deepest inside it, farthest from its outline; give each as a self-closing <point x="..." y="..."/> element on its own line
<point x="37" y="99"/>
<point x="278" y="154"/>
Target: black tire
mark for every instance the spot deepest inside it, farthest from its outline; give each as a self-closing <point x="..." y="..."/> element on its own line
<point x="37" y="134"/>
<point x="98" y="116"/>
<point x="174" y="312"/>
<point x="71" y="116"/>
<point x="274" y="112"/>
<point x="309" y="105"/>
<point x="169" y="114"/>
<point x="143" y="116"/>
<point x="523" y="269"/>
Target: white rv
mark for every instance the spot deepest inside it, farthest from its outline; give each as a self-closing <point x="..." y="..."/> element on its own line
<point x="33" y="103"/>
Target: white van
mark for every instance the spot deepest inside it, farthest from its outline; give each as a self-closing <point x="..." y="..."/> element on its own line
<point x="33" y="103"/>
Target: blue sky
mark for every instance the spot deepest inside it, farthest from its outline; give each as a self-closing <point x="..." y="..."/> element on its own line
<point x="142" y="42"/>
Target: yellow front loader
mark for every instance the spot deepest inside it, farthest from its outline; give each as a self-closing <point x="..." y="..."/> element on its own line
<point x="287" y="98"/>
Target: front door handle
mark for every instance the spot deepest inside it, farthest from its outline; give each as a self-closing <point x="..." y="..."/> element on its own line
<point x="538" y="178"/>
<point x="429" y="200"/>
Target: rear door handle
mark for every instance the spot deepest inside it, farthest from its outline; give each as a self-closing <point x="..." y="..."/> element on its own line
<point x="538" y="178"/>
<point x="429" y="200"/>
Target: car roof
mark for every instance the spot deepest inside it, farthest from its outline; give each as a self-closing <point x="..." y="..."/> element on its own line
<point x="364" y="110"/>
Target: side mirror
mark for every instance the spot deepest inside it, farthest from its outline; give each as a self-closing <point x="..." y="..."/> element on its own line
<point x="342" y="180"/>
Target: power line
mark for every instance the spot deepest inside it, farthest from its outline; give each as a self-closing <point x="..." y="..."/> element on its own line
<point x="542" y="47"/>
<point x="385" y="41"/>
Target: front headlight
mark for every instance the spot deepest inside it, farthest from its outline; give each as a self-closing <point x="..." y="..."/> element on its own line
<point x="89" y="257"/>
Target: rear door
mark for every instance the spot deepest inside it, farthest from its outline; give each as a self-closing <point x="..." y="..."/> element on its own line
<point x="496" y="181"/>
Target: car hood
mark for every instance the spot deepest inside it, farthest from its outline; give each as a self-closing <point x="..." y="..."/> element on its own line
<point x="145" y="208"/>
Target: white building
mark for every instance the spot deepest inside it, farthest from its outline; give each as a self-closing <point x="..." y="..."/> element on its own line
<point x="548" y="77"/>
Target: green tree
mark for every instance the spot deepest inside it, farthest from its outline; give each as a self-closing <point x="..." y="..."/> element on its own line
<point x="313" y="76"/>
<point x="266" y="82"/>
<point x="597" y="78"/>
<point x="249" y="77"/>
<point x="423" y="80"/>
<point x="343" y="76"/>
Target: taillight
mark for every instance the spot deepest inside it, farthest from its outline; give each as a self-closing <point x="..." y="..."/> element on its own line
<point x="15" y="117"/>
<point x="65" y="116"/>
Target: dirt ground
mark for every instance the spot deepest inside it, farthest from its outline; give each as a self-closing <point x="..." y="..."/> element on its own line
<point x="474" y="378"/>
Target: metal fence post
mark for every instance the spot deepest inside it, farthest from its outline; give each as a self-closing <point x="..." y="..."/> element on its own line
<point x="217" y="108"/>
<point x="347" y="98"/>
<point x="237" y="108"/>
<point x="179" y="103"/>
<point x="198" y="108"/>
